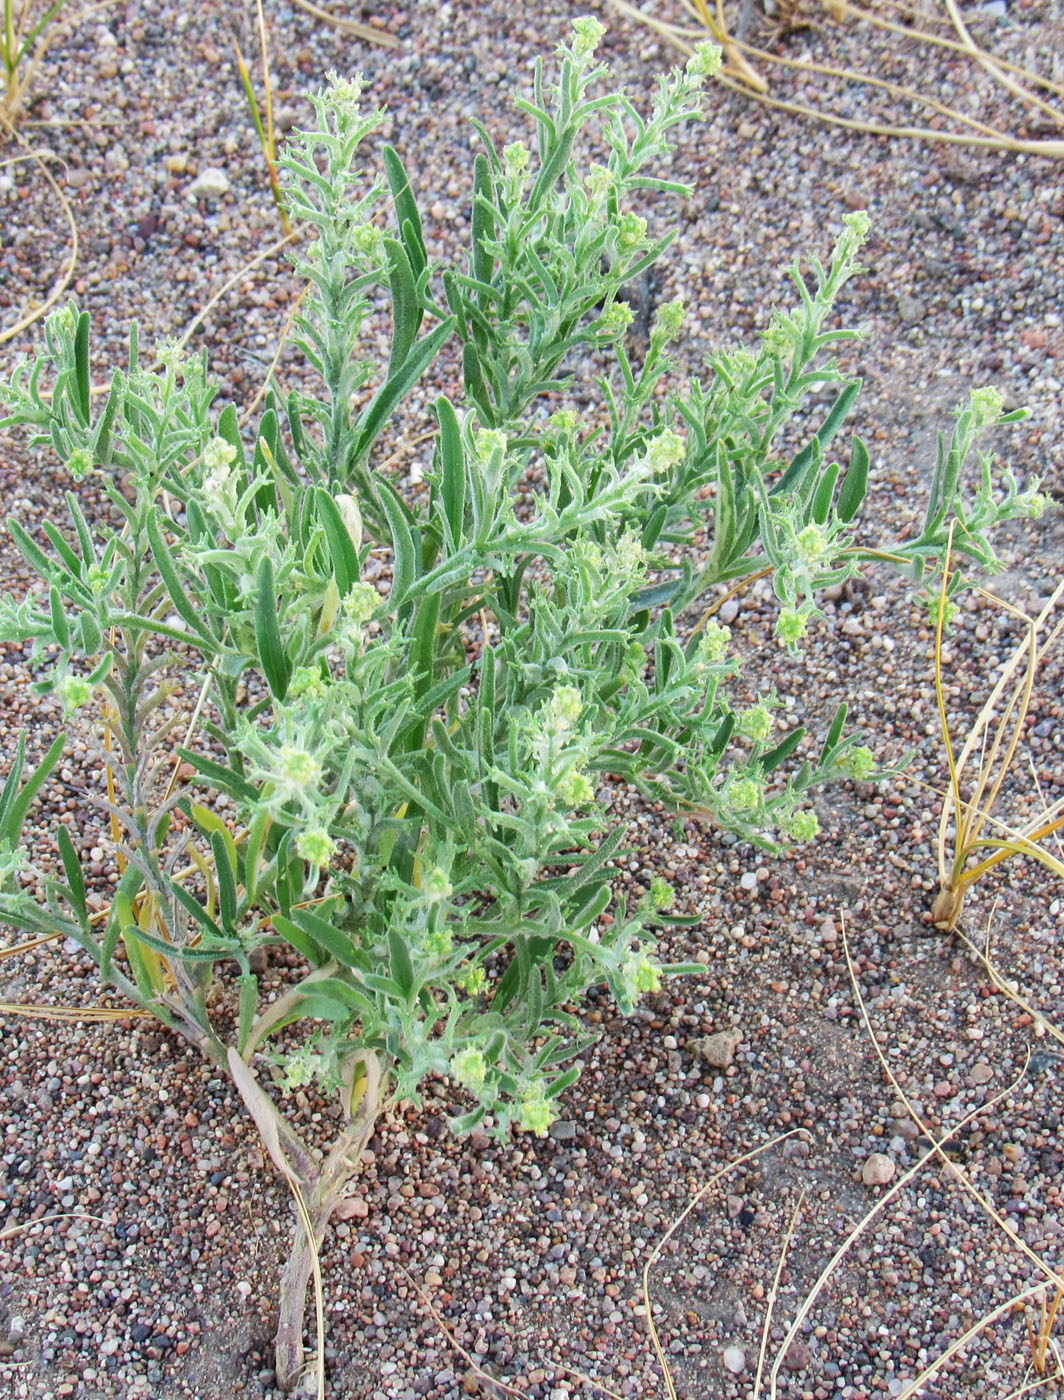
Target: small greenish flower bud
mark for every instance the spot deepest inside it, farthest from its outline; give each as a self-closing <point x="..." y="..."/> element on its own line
<point x="298" y="768"/>
<point x="565" y="707"/>
<point x="630" y="557"/>
<point x="858" y="224"/>
<point x="537" y="1111"/>
<point x="62" y="321"/>
<point x="369" y="240"/>
<point x="316" y="846"/>
<point x="515" y="158"/>
<point x="662" y="894"/>
<point x="472" y="981"/>
<point x="438" y="943"/>
<point x="587" y="32"/>
<point x="664" y="451"/>
<point x="306" y="683"/>
<point x="743" y="794"/>
<point x="469" y="1068"/>
<point x="646" y="976"/>
<point x="988" y="405"/>
<point x="1033" y="503"/>
<point x="435" y="885"/>
<point x="218" y="454"/>
<point x="564" y="421"/>
<point x="705" y="61"/>
<point x="802" y="826"/>
<point x="74" y="691"/>
<point x="573" y="789"/>
<point x="79" y="463"/>
<point x="756" y="723"/>
<point x="778" y="338"/>
<point x="489" y="443"/>
<point x="811" y="543"/>
<point x="713" y="645"/>
<point x="857" y="763"/>
<point x="669" y="321"/>
<point x="791" y="625"/>
<point x="934" y="608"/>
<point x="97" y="578"/>
<point x="631" y="231"/>
<point x="598" y="181"/>
<point x="300" y="1066"/>
<point x="614" y="321"/>
<point x="343" y="95"/>
<point x="361" y="602"/>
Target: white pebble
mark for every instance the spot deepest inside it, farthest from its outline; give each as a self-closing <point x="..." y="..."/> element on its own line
<point x="735" y="1360"/>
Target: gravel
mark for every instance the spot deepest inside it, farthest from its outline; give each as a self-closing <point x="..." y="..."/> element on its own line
<point x="152" y="1267"/>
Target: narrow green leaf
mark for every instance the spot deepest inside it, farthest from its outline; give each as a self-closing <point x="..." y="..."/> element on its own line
<point x="406" y="210"/>
<point x="452" y="472"/>
<point x="406" y="310"/>
<point x="404" y="550"/>
<point x="395" y="388"/>
<point x="275" y="664"/>
<point x="483" y="220"/>
<point x="15" y="817"/>
<point x="74" y="874"/>
<point x="249" y="1001"/>
<point x="83" y="389"/>
<point x="60" y="625"/>
<point x="559" y="1085"/>
<point x="824" y="494"/>
<point x="336" y="943"/>
<point x="341" y="547"/>
<point x="183" y="604"/>
<point x="402" y="968"/>
<point x="220" y="849"/>
<point x="220" y="777"/>
<point x="783" y="750"/>
<point x="834" y="732"/>
<point x="229" y="431"/>
<point x="854" y="483"/>
<point x="104" y="434"/>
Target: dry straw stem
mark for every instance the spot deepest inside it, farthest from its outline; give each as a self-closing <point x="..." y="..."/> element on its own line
<point x="1018" y="1300"/>
<point x="740" y="75"/>
<point x="27" y="28"/>
<point x="263" y="120"/>
<point x="27" y="318"/>
<point x="995" y="737"/>
<point x="380" y="37"/>
<point x="982" y="955"/>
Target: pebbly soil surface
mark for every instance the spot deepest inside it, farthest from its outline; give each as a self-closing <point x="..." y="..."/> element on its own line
<point x="153" y="1268"/>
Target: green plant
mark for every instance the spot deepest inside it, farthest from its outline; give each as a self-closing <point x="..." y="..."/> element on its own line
<point x="965" y="851"/>
<point x="27" y="29"/>
<point x="409" y="786"/>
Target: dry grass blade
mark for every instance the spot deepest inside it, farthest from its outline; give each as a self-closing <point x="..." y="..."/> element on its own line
<point x="11" y="1231"/>
<point x="916" y="1387"/>
<point x="982" y="955"/>
<point x="740" y="75"/>
<point x="27" y="319"/>
<point x="1051" y="1275"/>
<point x="491" y="1383"/>
<point x="1040" y="1340"/>
<point x="380" y="37"/>
<point x="227" y="286"/>
<point x="994" y="736"/>
<point x="71" y="1015"/>
<point x="656" y="1252"/>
